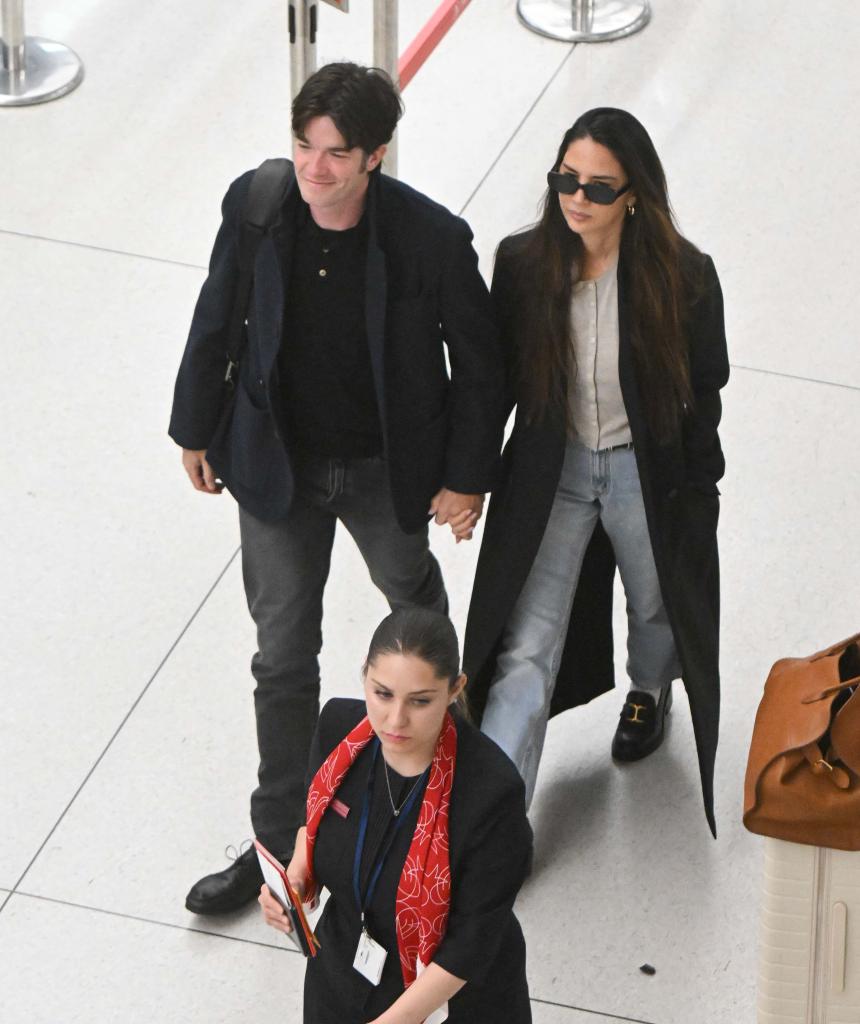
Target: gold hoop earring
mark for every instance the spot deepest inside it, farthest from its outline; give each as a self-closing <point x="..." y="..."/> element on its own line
<point x="631" y="210"/>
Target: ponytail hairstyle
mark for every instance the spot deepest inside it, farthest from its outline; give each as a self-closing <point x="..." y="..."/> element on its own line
<point x="658" y="275"/>
<point x="424" y="634"/>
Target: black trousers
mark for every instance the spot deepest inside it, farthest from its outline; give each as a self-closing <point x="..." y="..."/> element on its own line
<point x="285" y="566"/>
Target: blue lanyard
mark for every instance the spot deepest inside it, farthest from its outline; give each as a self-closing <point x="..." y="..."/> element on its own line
<point x="376" y="871"/>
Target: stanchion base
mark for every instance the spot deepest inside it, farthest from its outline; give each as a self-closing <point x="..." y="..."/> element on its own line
<point x="609" y="19"/>
<point x="50" y="70"/>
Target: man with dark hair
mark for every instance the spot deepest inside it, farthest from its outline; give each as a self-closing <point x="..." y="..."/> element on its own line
<point x="344" y="410"/>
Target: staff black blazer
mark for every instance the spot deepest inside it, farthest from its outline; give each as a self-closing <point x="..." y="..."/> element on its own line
<point x="490" y="846"/>
<point x="423" y="289"/>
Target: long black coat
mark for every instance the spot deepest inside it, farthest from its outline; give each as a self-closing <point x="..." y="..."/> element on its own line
<point x="679" y="487"/>
<point x="489" y="841"/>
<point x="423" y="288"/>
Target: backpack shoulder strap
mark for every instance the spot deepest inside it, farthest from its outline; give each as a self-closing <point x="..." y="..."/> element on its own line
<point x="266" y="196"/>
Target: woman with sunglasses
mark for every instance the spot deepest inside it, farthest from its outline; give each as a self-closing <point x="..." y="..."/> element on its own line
<point x="613" y="328"/>
<point x="416" y="826"/>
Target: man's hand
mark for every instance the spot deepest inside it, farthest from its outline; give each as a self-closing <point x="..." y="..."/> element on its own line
<point x="199" y="471"/>
<point x="460" y="511"/>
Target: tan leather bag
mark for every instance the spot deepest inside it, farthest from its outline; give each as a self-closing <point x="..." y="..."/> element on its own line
<point x="803" y="773"/>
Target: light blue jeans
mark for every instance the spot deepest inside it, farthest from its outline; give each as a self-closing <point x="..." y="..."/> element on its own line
<point x="594" y="485"/>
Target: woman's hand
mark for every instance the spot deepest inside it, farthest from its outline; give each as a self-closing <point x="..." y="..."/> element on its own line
<point x="424" y="996"/>
<point x="297" y="869"/>
<point x="297" y="873"/>
<point x="273" y="913"/>
<point x="463" y="525"/>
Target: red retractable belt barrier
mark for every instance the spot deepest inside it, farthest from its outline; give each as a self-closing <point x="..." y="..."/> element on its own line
<point x="428" y="39"/>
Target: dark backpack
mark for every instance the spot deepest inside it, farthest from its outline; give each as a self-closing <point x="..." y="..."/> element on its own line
<point x="246" y="450"/>
<point x="265" y="198"/>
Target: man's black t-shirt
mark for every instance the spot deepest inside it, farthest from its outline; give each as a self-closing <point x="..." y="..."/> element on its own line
<point x="325" y="371"/>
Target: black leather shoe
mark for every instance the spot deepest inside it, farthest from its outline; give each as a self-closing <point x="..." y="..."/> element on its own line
<point x="642" y="724"/>
<point x="229" y="889"/>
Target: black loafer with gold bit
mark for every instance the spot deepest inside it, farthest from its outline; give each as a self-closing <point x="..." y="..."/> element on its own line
<point x="641" y="725"/>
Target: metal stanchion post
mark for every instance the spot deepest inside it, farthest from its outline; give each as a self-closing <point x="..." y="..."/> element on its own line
<point x="302" y="16"/>
<point x="584" y="21"/>
<point x="385" y="56"/>
<point x="32" y="70"/>
<point x="12" y="33"/>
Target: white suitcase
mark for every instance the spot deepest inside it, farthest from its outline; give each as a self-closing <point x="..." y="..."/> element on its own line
<point x="809" y="943"/>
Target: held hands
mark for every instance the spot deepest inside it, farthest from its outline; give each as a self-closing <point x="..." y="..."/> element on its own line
<point x="460" y="511"/>
<point x="200" y="473"/>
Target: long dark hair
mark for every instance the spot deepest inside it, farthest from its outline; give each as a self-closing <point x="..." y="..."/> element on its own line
<point x="659" y="278"/>
<point x="425" y="634"/>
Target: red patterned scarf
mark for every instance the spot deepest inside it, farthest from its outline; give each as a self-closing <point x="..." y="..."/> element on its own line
<point x="424" y="892"/>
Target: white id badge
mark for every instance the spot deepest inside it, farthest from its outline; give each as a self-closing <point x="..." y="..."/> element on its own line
<point x="369" y="958"/>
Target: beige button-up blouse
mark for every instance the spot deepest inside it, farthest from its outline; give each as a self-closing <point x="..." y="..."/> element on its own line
<point x="597" y="412"/>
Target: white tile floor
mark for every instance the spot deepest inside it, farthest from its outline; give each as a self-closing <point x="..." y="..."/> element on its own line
<point x="126" y="734"/>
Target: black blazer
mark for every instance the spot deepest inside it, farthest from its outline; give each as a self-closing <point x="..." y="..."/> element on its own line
<point x="423" y="289"/>
<point x="490" y="847"/>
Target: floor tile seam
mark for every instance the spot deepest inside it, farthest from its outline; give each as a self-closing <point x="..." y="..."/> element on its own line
<point x="197" y="266"/>
<point x="585" y="1009"/>
<point x="269" y="945"/>
<point x="150" y="920"/>
<point x="121" y="726"/>
<point x="796" y="376"/>
<point x="103" y="249"/>
<point x="517" y="130"/>
<point x="201" y="267"/>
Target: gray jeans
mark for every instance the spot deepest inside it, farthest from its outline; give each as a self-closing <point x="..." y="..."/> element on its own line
<point x="594" y="485"/>
<point x="285" y="566"/>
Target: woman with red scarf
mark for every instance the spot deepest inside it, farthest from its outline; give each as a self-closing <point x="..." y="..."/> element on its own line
<point x="416" y="826"/>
